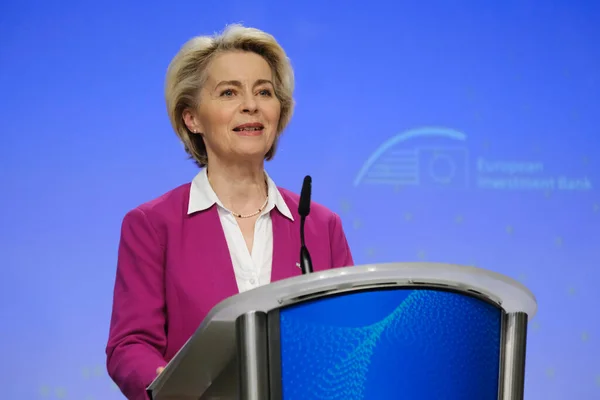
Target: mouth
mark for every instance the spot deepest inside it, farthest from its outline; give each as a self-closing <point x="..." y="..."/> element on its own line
<point x="249" y="128"/>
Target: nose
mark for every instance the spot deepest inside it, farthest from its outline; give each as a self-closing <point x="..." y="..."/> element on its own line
<point x="249" y="104"/>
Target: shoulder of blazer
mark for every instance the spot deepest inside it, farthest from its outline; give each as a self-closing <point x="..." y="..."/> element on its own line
<point x="167" y="207"/>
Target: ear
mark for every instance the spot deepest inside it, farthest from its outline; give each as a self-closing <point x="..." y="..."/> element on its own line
<point x="191" y="120"/>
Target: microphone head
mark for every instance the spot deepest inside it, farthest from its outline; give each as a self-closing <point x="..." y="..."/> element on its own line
<point x="305" y="194"/>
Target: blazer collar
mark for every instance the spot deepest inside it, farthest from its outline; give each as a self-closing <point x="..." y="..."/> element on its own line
<point x="202" y="196"/>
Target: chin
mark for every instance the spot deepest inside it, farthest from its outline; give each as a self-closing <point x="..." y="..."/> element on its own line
<point x="248" y="154"/>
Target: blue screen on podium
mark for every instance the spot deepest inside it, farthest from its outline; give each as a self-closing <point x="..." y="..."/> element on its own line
<point x="388" y="344"/>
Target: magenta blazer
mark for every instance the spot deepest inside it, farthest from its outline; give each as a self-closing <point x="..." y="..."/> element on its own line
<point x="173" y="268"/>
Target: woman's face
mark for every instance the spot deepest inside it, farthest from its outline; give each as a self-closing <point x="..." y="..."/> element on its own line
<point x="238" y="111"/>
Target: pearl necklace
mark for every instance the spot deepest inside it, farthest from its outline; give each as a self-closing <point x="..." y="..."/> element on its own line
<point x="254" y="213"/>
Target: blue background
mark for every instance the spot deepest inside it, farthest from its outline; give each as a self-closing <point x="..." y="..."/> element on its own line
<point x="85" y="138"/>
<point x="414" y="344"/>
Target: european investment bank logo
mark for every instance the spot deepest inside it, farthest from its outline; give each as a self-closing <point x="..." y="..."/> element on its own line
<point x="439" y="157"/>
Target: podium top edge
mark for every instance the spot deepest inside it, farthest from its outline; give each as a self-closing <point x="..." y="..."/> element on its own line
<point x="507" y="293"/>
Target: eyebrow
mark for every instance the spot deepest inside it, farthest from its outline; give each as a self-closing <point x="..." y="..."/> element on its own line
<point x="239" y="84"/>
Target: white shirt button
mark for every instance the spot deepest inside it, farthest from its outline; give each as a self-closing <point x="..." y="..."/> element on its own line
<point x="252" y="281"/>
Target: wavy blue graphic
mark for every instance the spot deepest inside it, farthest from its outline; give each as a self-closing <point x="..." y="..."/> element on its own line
<point x="426" y="345"/>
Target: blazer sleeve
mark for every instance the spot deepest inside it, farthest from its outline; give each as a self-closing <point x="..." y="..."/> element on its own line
<point x="137" y="338"/>
<point x="341" y="256"/>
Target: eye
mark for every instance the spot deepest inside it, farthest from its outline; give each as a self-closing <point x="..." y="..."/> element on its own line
<point x="227" y="93"/>
<point x="265" y="92"/>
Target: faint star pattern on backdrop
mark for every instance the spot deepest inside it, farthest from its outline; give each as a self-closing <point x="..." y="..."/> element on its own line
<point x="94" y="376"/>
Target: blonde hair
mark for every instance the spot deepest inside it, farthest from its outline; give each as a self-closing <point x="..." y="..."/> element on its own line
<point x="187" y="73"/>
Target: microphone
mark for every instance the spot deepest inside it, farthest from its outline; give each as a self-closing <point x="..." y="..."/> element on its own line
<point x="304" y="210"/>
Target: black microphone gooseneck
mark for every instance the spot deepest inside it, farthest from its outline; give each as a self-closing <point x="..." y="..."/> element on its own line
<point x="304" y="210"/>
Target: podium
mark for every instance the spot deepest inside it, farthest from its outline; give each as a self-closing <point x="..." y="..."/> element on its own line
<point x="382" y="331"/>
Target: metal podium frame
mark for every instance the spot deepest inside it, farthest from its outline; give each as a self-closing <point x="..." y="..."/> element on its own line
<point x="238" y="336"/>
<point x="258" y="352"/>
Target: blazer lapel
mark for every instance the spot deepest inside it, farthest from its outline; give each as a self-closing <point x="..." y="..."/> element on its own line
<point x="214" y="256"/>
<point x="286" y="247"/>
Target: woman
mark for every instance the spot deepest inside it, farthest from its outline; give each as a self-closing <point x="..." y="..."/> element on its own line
<point x="231" y="229"/>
